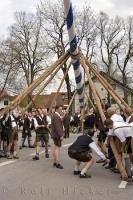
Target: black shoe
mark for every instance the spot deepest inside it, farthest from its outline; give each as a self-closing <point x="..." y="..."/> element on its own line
<point x="84" y="176"/>
<point x="76" y="172"/>
<point x="31" y="146"/>
<point x="108" y="167"/>
<point x="24" y="146"/>
<point x="46" y="155"/>
<point x="16" y="157"/>
<point x="115" y="170"/>
<point x="10" y="156"/>
<point x="36" y="157"/>
<point x="54" y="164"/>
<point x="100" y="161"/>
<point x="58" y="165"/>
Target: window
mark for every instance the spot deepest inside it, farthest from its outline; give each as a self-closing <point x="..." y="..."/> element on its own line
<point x="5" y="102"/>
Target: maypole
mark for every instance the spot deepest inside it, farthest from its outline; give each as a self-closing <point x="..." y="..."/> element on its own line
<point x="74" y="50"/>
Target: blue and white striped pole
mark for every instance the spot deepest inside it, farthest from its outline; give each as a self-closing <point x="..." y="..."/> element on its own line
<point x="74" y="50"/>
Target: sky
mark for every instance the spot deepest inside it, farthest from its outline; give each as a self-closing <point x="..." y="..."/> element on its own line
<point x="111" y="7"/>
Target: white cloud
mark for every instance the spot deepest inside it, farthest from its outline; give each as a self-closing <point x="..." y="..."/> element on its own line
<point x="111" y="7"/>
<point x="9" y="7"/>
<point x="6" y="17"/>
<point x="24" y="5"/>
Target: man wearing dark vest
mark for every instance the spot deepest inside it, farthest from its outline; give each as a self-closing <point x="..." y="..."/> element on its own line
<point x="26" y="133"/>
<point x="42" y="133"/>
<point x="80" y="151"/>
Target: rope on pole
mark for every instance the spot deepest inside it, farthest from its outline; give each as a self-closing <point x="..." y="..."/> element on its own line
<point x="74" y="50"/>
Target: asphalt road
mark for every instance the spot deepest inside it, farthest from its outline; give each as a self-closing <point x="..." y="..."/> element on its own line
<point x="25" y="179"/>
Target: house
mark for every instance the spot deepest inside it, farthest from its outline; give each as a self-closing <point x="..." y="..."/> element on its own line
<point x="5" y="99"/>
<point x="46" y="100"/>
<point x="117" y="86"/>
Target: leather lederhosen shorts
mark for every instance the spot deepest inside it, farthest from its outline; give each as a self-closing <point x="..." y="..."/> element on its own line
<point x="13" y="135"/>
<point x="80" y="156"/>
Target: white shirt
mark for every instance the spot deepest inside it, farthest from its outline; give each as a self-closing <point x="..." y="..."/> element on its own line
<point x="35" y="122"/>
<point x="30" y="118"/>
<point x="48" y="120"/>
<point x="122" y="130"/>
<point x="95" y="148"/>
<point x="116" y="118"/>
<point x="14" y="124"/>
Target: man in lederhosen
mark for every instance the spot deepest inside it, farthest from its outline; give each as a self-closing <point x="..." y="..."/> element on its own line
<point x="26" y="133"/>
<point x="42" y="133"/>
<point x="12" y="135"/>
<point x="57" y="133"/>
<point x="81" y="150"/>
<point x="3" y="137"/>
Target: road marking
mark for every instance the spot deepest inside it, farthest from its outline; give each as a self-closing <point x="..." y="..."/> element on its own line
<point x="7" y="162"/>
<point x="33" y="154"/>
<point x="122" y="185"/>
<point x="66" y="145"/>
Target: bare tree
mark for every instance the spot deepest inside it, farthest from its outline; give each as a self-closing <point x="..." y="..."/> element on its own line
<point x="124" y="54"/>
<point x="8" y="67"/>
<point x="53" y="20"/>
<point x="87" y="31"/>
<point x="111" y="37"/>
<point x="27" y="44"/>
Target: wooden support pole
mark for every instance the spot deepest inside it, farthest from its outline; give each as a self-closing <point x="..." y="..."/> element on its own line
<point x="98" y="103"/>
<point x="89" y="99"/>
<point x="71" y="101"/>
<point x="83" y="109"/>
<point x="107" y="86"/>
<point x="117" y="156"/>
<point x="57" y="93"/>
<point x="82" y="119"/>
<point x="100" y="98"/>
<point x="43" y="87"/>
<point x="118" y="160"/>
<point x="35" y="83"/>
